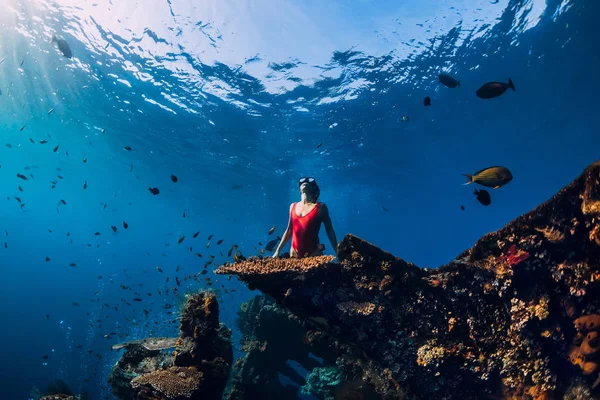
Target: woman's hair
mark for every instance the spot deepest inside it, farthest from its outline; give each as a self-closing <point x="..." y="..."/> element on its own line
<point x="317" y="192"/>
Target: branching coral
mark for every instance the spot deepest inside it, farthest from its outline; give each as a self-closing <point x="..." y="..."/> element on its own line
<point x="256" y="265"/>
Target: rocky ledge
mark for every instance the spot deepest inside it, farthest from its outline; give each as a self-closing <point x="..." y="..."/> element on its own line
<point x="514" y="317"/>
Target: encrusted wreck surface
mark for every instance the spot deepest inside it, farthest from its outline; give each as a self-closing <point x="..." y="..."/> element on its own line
<point x="198" y="369"/>
<point x="498" y="322"/>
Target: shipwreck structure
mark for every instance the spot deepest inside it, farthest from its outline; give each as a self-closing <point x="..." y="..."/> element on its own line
<point x="514" y="317"/>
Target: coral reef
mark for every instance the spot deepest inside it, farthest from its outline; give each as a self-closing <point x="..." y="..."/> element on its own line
<point x="271" y="337"/>
<point x="197" y="369"/>
<point x="499" y="321"/>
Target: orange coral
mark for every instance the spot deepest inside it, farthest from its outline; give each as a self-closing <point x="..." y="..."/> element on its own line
<point x="208" y="304"/>
<point x="587" y="323"/>
<point x="263" y="266"/>
<point x="586" y="345"/>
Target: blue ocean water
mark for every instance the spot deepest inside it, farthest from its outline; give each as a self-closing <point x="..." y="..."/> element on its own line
<point x="234" y="98"/>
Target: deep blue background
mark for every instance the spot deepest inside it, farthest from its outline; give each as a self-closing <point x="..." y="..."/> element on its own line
<point x="545" y="132"/>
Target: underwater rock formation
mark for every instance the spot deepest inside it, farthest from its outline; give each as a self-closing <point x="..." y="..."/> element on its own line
<point x="272" y="337"/>
<point x="197" y="369"/>
<point x="499" y="321"/>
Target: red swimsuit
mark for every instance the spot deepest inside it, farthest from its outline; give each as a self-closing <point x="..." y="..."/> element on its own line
<point x="305" y="231"/>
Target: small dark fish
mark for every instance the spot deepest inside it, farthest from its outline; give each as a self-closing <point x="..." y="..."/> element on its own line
<point x="72" y="265"/>
<point x="47" y="259"/>
<point x="491" y="177"/>
<point x="271" y="245"/>
<point x="97" y="234"/>
<point x="63" y="202"/>
<point x="84" y="160"/>
<point x="196" y="235"/>
<point x="494" y="89"/>
<point x="31" y="140"/>
<point x="114" y="228"/>
<point x="184" y="215"/>
<point x="43" y="141"/>
<point x="104" y="208"/>
<point x="210" y="237"/>
<point x="427" y="101"/>
<point x="45" y="357"/>
<point x="174" y="178"/>
<point x="63" y="46"/>
<point x="56" y="148"/>
<point x="177" y="281"/>
<point x="154" y="191"/>
<point x="448" y="81"/>
<point x="319" y="145"/>
<point x="462" y="208"/>
<point x="9" y="145"/>
<point x="219" y="241"/>
<point x="84" y="185"/>
<point x="23" y="127"/>
<point x="272" y="230"/>
<point x="50" y="111"/>
<point x="125" y="225"/>
<point x="483" y="196"/>
<point x="159" y="269"/>
<point x="127" y="148"/>
<point x="137" y="299"/>
<point x="181" y="239"/>
<point x="405" y="118"/>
